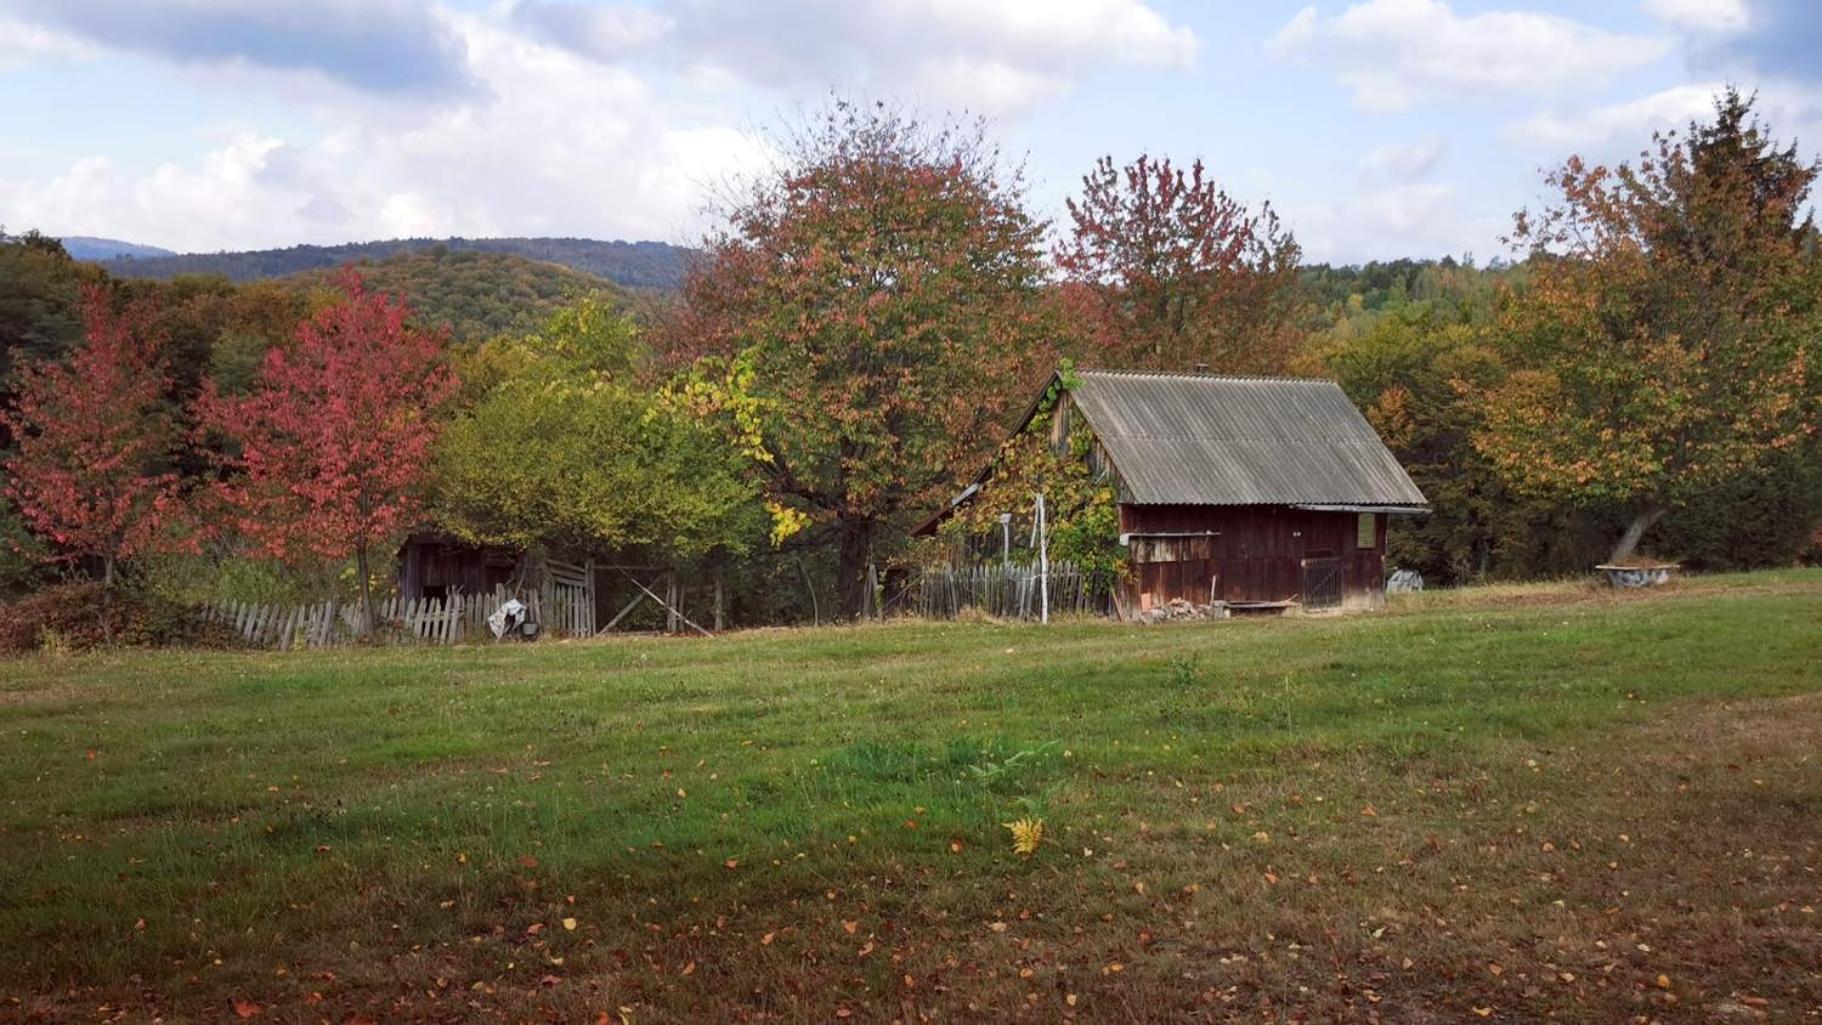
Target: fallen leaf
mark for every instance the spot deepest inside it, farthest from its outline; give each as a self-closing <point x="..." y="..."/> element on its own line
<point x="524" y="859"/>
<point x="1484" y="1012"/>
<point x="1663" y="982"/>
<point x="688" y="969"/>
<point x="569" y="924"/>
<point x="766" y="940"/>
<point x="244" y="1009"/>
<point x="732" y="864"/>
<point x="850" y="927"/>
<point x="1370" y="812"/>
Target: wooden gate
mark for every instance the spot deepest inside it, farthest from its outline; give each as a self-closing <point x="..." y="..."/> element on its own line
<point x="569" y="607"/>
<point x="1322" y="583"/>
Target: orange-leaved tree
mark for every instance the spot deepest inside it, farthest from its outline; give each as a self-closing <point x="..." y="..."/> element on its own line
<point x="1665" y="343"/>
<point x="94" y="441"/>
<point x="327" y="455"/>
<point x="880" y="294"/>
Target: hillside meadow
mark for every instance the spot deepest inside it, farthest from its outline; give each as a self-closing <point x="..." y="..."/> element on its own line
<point x="1501" y="804"/>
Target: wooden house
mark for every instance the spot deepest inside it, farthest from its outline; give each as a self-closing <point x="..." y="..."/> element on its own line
<point x="1241" y="490"/>
<point x="440" y="569"/>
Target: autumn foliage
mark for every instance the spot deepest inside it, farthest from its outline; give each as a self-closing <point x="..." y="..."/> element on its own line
<point x="93" y="440"/>
<point x="1168" y="271"/>
<point x="881" y="289"/>
<point x="327" y="454"/>
<point x="1665" y="346"/>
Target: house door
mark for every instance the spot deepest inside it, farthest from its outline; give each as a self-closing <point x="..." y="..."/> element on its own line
<point x="1322" y="583"/>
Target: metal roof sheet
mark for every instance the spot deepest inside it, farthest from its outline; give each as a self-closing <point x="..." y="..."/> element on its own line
<point x="1199" y="439"/>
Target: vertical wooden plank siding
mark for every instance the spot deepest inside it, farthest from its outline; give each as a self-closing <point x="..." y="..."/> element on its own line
<point x="1246" y="553"/>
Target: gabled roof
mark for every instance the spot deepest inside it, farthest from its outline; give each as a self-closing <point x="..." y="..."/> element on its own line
<point x="1201" y="439"/>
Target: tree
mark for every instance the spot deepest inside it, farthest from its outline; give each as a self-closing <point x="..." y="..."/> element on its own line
<point x="328" y="453"/>
<point x="1171" y="272"/>
<point x="93" y="440"/>
<point x="1664" y="347"/>
<point x="40" y="302"/>
<point x="563" y="448"/>
<point x="880" y="286"/>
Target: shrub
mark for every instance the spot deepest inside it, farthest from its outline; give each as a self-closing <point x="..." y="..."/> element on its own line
<point x="85" y="615"/>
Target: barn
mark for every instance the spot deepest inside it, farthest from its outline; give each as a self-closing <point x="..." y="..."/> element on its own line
<point x="1246" y="490"/>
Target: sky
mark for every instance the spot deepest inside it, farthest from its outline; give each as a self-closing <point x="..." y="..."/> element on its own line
<point x="1377" y="129"/>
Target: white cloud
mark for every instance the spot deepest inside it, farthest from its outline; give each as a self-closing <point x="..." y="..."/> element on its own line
<point x="1419" y="219"/>
<point x="1632" y="121"/>
<point x="989" y="56"/>
<point x="552" y="143"/>
<point x="1401" y="161"/>
<point x="24" y="43"/>
<point x="1620" y="130"/>
<point x="612" y="121"/>
<point x="1391" y="54"/>
<point x="384" y="46"/>
<point x="1716" y="16"/>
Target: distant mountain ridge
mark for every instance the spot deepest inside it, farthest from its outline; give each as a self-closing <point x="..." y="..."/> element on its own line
<point x="476" y="294"/>
<point x="643" y="265"/>
<point x="88" y="247"/>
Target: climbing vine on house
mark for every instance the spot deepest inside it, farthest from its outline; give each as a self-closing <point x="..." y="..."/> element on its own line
<point x="1082" y="501"/>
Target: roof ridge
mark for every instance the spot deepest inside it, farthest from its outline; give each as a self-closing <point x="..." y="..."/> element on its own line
<point x="1205" y="375"/>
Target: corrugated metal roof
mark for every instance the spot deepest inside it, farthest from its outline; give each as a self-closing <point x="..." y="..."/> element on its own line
<point x="1198" y="439"/>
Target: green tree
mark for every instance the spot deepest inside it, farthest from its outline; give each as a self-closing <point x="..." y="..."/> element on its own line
<point x="561" y="448"/>
<point x="1664" y="347"/>
<point x="40" y="300"/>
<point x="882" y="287"/>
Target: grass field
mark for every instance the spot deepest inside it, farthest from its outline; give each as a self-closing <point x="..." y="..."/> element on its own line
<point x="1507" y="804"/>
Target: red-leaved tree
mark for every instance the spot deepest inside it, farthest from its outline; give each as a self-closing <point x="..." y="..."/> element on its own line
<point x="1169" y="271"/>
<point x="327" y="455"/>
<point x="93" y="441"/>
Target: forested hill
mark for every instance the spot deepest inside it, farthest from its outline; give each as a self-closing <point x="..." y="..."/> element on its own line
<point x="475" y="294"/>
<point x="652" y="265"/>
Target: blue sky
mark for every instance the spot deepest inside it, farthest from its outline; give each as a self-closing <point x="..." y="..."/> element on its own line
<point x="1378" y="128"/>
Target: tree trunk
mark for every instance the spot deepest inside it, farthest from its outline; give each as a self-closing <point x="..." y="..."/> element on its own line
<point x="851" y="573"/>
<point x="107" y="571"/>
<point x="360" y="562"/>
<point x="1635" y="531"/>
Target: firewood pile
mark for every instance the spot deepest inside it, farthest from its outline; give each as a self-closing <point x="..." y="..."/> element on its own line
<point x="1182" y="608"/>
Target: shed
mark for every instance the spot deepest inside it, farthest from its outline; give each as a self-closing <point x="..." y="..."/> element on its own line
<point x="1233" y="489"/>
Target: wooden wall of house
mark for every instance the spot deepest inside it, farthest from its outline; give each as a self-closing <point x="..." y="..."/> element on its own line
<point x="432" y="567"/>
<point x="1251" y="553"/>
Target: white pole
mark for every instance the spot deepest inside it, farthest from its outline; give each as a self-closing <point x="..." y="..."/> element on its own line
<point x="1043" y="564"/>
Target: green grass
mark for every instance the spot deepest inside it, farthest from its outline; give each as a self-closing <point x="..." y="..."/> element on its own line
<point x="1339" y="815"/>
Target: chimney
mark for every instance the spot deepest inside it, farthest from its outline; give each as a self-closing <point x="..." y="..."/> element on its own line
<point x="1202" y="368"/>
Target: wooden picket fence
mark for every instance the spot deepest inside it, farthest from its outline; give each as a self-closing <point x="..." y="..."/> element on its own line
<point x="1005" y="590"/>
<point x="331" y="624"/>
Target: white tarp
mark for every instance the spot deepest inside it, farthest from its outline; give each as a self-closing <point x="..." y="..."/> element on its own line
<point x="507" y="617"/>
